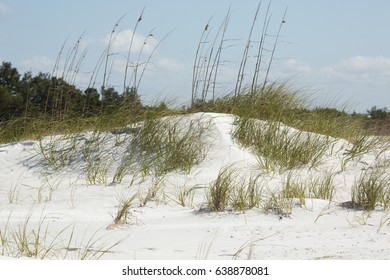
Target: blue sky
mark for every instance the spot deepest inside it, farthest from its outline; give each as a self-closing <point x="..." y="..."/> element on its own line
<point x="337" y="51"/>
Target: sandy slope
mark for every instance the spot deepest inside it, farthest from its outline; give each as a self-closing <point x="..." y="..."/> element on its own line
<point x="162" y="229"/>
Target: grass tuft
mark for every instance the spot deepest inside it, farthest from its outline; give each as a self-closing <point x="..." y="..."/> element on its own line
<point x="164" y="145"/>
<point x="123" y="214"/>
<point x="232" y="190"/>
<point x="33" y="242"/>
<point x="372" y="188"/>
<point x="219" y="193"/>
<point x="279" y="147"/>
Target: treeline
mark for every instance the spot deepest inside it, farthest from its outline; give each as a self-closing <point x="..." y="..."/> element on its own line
<point x="29" y="95"/>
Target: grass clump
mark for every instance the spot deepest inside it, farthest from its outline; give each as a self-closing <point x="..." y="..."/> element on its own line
<point x="155" y="189"/>
<point x="327" y="121"/>
<point x="280" y="102"/>
<point x="322" y="187"/>
<point x="372" y="188"/>
<point x="276" y="101"/>
<point x="123" y="214"/>
<point x="156" y="145"/>
<point x="165" y="144"/>
<point x="281" y="202"/>
<point x="266" y="121"/>
<point x="184" y="195"/>
<point x="57" y="151"/>
<point x="96" y="171"/>
<point x="295" y="190"/>
<point x="232" y="191"/>
<point x="36" y="242"/>
<point x="220" y="191"/>
<point x="31" y="242"/>
<point x="363" y="144"/>
<point x="247" y="194"/>
<point x="123" y="168"/>
<point x="278" y="146"/>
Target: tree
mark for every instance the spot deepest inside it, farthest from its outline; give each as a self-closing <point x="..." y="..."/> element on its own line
<point x="55" y="97"/>
<point x="110" y="97"/>
<point x="131" y="97"/>
<point x="9" y="77"/>
<point x="377" y="114"/>
<point x="10" y="104"/>
<point x="92" y="103"/>
<point x="10" y="101"/>
<point x="52" y="95"/>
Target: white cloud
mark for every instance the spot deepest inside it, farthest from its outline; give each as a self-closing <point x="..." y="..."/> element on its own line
<point x="364" y="63"/>
<point x="170" y="64"/>
<point x="38" y="63"/>
<point x="4" y="8"/>
<point x="360" y="69"/>
<point x="121" y="42"/>
<point x="294" y="66"/>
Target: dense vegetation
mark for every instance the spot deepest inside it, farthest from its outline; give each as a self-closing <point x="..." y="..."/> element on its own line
<point x="35" y="106"/>
<point x="28" y="95"/>
<point x="32" y="106"/>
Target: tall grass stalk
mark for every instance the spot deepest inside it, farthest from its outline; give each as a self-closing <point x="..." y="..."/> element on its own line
<point x="196" y="72"/>
<point x="273" y="50"/>
<point x="70" y="71"/>
<point x="125" y="84"/>
<point x="212" y="61"/>
<point x="260" y="50"/>
<point x="241" y="71"/>
<point x="108" y="51"/>
<point x="137" y="82"/>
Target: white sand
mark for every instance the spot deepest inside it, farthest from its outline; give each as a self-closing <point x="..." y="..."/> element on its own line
<point x="65" y="202"/>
